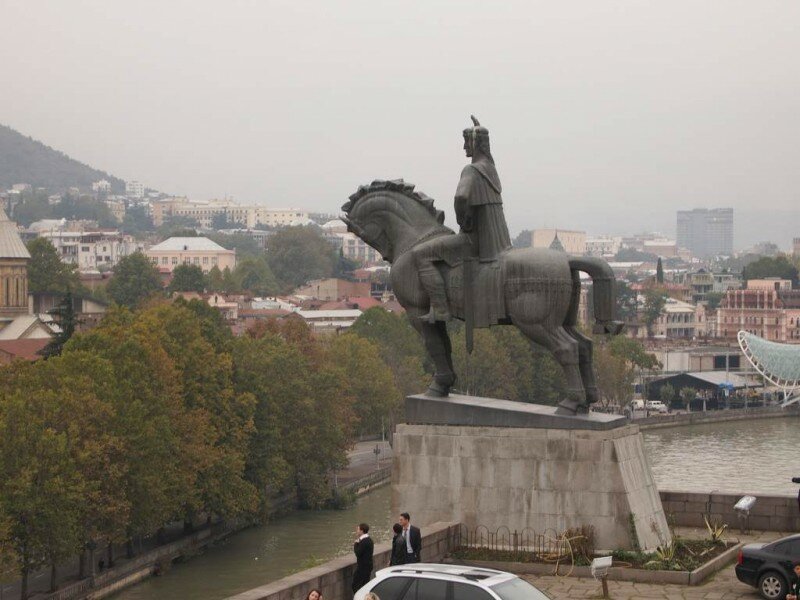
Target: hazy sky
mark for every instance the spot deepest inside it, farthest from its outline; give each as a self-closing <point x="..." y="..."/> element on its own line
<point x="604" y="115"/>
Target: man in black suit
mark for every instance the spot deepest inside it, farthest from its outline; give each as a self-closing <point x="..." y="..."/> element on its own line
<point x="413" y="538"/>
<point x="363" y="549"/>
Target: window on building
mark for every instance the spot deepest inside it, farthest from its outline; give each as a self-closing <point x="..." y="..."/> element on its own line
<point x="213" y="260"/>
<point x="154" y="260"/>
<point x="174" y="260"/>
<point x="164" y="260"/>
<point x="196" y="260"/>
<point x="205" y="260"/>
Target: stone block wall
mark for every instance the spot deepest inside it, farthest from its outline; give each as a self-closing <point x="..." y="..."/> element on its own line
<point x="539" y="479"/>
<point x="334" y="578"/>
<point x="770" y="513"/>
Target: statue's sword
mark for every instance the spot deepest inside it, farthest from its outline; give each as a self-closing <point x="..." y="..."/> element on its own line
<point x="469" y="306"/>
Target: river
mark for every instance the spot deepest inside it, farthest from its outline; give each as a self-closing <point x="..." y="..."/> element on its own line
<point x="756" y="456"/>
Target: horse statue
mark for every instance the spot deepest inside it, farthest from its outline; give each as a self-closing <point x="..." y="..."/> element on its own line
<point x="536" y="289"/>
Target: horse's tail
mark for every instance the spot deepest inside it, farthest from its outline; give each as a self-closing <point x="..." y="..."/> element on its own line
<point x="604" y="293"/>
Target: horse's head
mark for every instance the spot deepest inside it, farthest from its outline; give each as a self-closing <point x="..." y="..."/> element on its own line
<point x="390" y="216"/>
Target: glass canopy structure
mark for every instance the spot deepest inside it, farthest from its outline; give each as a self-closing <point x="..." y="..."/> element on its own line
<point x="778" y="363"/>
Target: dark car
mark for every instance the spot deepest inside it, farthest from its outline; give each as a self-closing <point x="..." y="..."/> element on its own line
<point x="769" y="567"/>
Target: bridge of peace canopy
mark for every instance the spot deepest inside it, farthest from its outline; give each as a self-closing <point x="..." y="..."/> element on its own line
<point x="777" y="363"/>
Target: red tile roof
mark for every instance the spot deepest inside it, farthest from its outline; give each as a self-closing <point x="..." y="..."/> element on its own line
<point x="25" y="349"/>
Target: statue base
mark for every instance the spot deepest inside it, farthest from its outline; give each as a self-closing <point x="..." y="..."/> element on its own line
<point x="493" y="466"/>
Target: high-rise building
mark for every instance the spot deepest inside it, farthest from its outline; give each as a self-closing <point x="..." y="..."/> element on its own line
<point x="134" y="189"/>
<point x="796" y="247"/>
<point x="706" y="231"/>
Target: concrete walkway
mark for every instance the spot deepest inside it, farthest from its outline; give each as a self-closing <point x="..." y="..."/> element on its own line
<point x="723" y="585"/>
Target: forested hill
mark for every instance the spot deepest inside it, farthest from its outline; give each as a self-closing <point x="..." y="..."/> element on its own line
<point x="24" y="160"/>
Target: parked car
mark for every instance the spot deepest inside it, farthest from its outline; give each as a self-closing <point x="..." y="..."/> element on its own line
<point x="769" y="567"/>
<point x="423" y="581"/>
<point x="656" y="406"/>
<point x="637" y="404"/>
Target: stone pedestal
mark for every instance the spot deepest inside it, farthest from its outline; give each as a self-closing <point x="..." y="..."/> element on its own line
<point x="549" y="477"/>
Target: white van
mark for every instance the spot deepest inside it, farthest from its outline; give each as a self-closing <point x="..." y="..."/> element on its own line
<point x="656" y="406"/>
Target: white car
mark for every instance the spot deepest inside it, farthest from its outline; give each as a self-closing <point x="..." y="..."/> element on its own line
<point x="423" y="581"/>
<point x="656" y="405"/>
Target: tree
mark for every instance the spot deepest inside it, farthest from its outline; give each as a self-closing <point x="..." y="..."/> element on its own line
<point x="659" y="272"/>
<point x="46" y="272"/>
<point x="246" y="246"/>
<point x="400" y="347"/>
<point x="713" y="299"/>
<point x="667" y="394"/>
<point x="767" y="266"/>
<point x="688" y="394"/>
<point x="135" y="278"/>
<point x="488" y="371"/>
<point x="64" y="315"/>
<point x="626" y="301"/>
<point x="368" y="381"/>
<point x="654" y="302"/>
<point x="615" y="364"/>
<point x="214" y="280"/>
<point x="137" y="221"/>
<point x="254" y="275"/>
<point x="300" y="254"/>
<point x="187" y="278"/>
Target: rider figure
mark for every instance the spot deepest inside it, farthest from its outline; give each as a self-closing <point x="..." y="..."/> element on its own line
<point x="479" y="213"/>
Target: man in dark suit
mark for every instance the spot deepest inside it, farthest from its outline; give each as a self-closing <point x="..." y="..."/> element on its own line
<point x="363" y="549"/>
<point x="413" y="539"/>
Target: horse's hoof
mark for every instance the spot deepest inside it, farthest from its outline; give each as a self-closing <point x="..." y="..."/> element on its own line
<point x="437" y="391"/>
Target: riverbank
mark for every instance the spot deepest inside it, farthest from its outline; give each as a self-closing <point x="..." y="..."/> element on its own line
<point x="715" y="416"/>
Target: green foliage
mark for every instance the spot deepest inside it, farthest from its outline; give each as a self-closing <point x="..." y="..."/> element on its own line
<point x="254" y="275"/>
<point x="245" y="246"/>
<point x="24" y="160"/>
<point x="64" y="315"/>
<point x="135" y="279"/>
<point x="84" y="208"/>
<point x="767" y="266"/>
<point x="300" y="254"/>
<point x="46" y="272"/>
<point x="616" y="362"/>
<point x="654" y="301"/>
<point x="137" y="221"/>
<point x="667" y="393"/>
<point x="399" y="346"/>
<point x="687" y="394"/>
<point x="177" y="226"/>
<point x="659" y="271"/>
<point x="187" y="278"/>
<point x="716" y="529"/>
<point x="713" y="299"/>
<point x="503" y="364"/>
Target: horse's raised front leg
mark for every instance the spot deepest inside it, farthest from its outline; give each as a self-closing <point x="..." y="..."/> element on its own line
<point x="437" y="343"/>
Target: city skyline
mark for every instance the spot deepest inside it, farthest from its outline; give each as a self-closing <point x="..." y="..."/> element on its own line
<point x="614" y="115"/>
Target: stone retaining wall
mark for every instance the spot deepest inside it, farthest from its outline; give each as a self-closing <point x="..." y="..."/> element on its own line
<point x="715" y="416"/>
<point x="770" y="513"/>
<point x="334" y="577"/>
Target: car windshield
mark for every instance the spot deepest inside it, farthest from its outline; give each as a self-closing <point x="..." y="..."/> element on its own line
<point x="517" y="589"/>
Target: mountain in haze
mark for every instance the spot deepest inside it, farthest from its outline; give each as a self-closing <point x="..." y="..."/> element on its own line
<point x="24" y="160"/>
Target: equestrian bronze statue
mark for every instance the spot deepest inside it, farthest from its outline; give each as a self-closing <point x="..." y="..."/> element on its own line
<point x="475" y="275"/>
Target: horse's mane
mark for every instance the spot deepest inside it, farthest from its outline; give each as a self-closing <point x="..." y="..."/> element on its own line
<point x="395" y="185"/>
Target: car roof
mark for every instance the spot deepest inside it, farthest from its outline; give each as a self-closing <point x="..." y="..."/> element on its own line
<point x="788" y="538"/>
<point x="449" y="572"/>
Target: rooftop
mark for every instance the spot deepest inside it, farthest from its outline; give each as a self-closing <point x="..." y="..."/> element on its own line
<point x="11" y="245"/>
<point x="188" y="244"/>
